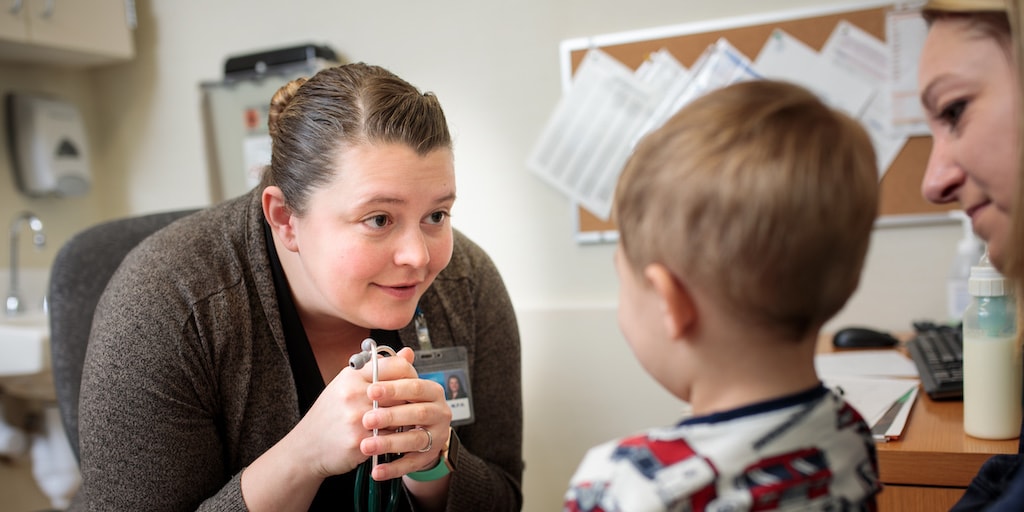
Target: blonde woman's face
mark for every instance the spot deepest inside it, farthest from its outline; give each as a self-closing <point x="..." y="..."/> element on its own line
<point x="969" y="91"/>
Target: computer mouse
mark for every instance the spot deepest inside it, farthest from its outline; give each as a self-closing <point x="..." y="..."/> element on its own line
<point x="863" y="337"/>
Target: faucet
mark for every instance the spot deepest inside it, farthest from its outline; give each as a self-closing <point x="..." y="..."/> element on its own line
<point x="14" y="305"/>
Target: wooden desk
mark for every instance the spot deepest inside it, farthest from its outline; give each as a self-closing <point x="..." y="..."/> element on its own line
<point x="931" y="464"/>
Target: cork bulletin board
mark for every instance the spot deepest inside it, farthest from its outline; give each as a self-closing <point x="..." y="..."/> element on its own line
<point x="901" y="201"/>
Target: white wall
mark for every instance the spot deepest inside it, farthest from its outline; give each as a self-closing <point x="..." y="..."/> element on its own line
<point x="494" y="66"/>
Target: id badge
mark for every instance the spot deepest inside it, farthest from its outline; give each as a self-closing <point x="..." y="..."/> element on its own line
<point x="449" y="367"/>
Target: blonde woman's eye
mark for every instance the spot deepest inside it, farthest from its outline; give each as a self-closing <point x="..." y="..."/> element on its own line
<point x="950" y="115"/>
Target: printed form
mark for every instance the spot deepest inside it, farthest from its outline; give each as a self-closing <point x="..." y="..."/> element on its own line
<point x="867" y="57"/>
<point x="608" y="108"/>
<point x="906" y="31"/>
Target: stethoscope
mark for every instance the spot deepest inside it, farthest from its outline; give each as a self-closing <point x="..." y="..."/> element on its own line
<point x="370" y="353"/>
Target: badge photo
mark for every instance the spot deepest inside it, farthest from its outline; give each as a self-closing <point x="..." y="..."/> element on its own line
<point x="448" y="366"/>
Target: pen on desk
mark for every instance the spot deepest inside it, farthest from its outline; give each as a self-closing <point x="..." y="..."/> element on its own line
<point x="887" y="419"/>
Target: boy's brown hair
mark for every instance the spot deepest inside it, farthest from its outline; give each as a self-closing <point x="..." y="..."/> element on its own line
<point x="759" y="194"/>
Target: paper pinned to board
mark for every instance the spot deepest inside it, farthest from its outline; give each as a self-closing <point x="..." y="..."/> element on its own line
<point x="608" y="108"/>
<point x="785" y="57"/>
<point x="906" y="31"/>
<point x="869" y="58"/>
<point x="720" y="64"/>
<point x="588" y="138"/>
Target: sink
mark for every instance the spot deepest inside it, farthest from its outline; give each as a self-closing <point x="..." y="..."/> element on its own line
<point x="27" y="385"/>
<point x="24" y="343"/>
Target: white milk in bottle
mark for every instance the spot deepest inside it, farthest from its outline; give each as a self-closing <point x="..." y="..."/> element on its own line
<point x="992" y="363"/>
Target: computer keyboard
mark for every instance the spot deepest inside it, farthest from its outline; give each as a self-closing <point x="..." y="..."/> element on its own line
<point x="938" y="352"/>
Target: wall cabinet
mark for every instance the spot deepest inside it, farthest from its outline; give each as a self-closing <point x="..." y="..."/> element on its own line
<point x="70" y="33"/>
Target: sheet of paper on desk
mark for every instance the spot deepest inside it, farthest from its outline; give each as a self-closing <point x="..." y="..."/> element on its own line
<point x="865" y="363"/>
<point x="873" y="397"/>
<point x="880" y="384"/>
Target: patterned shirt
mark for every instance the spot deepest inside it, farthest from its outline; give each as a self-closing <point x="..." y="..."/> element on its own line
<point x="808" y="451"/>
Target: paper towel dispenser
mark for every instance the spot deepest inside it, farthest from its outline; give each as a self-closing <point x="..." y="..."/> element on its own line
<point x="48" y="146"/>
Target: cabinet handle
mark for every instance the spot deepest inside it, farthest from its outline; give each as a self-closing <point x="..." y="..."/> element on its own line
<point x="16" y="6"/>
<point x="48" y="8"/>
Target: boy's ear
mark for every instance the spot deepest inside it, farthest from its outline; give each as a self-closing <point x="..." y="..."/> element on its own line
<point x="279" y="216"/>
<point x="678" y="308"/>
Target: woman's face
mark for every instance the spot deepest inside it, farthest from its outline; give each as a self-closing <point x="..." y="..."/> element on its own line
<point x="373" y="240"/>
<point x="969" y="91"/>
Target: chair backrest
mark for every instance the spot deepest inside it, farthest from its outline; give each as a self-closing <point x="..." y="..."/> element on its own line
<point x="80" y="273"/>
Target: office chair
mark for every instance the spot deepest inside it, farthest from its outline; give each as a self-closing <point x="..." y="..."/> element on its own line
<point x="80" y="273"/>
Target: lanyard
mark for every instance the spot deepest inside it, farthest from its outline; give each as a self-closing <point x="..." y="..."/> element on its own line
<point x="422" y="333"/>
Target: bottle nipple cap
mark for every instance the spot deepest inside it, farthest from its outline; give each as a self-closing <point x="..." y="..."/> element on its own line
<point x="985" y="280"/>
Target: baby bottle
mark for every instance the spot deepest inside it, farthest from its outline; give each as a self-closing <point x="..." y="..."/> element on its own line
<point x="992" y="362"/>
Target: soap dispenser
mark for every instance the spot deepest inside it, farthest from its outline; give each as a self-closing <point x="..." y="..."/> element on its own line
<point x="49" y="149"/>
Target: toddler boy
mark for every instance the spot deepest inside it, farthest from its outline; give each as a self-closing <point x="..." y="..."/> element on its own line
<point x="743" y="226"/>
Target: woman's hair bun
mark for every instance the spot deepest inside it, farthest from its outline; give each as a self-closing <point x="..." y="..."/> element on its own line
<point x="280" y="101"/>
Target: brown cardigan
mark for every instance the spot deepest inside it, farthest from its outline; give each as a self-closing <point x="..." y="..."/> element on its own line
<point x="187" y="378"/>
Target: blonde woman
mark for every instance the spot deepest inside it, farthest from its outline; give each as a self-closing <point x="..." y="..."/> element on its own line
<point x="969" y="79"/>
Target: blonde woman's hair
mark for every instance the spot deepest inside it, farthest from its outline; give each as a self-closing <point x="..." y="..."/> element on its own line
<point x="312" y="120"/>
<point x="967" y="5"/>
<point x="1015" y="259"/>
<point x="759" y="194"/>
<point x="987" y="17"/>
